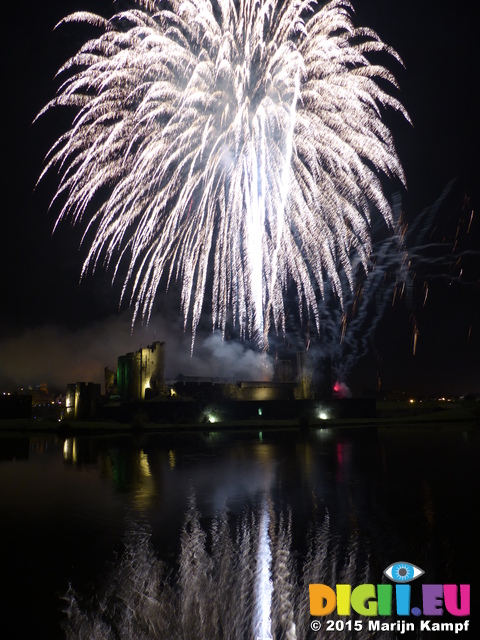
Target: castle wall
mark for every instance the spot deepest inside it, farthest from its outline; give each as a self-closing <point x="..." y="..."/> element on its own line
<point x="15" y="406"/>
<point x="141" y="374"/>
<point x="82" y="400"/>
<point x="153" y="369"/>
<point x="110" y="382"/>
<point x="198" y="412"/>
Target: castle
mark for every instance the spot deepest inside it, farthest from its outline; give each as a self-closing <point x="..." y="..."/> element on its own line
<point x="301" y="386"/>
<point x="141" y="374"/>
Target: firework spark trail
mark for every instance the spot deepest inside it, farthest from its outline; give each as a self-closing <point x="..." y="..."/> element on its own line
<point x="348" y="330"/>
<point x="242" y="147"/>
<point x="395" y="261"/>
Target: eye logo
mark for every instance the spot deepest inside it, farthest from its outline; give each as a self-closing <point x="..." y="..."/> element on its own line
<point x="403" y="572"/>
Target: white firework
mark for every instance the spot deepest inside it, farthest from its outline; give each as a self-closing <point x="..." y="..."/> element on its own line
<point x="236" y="144"/>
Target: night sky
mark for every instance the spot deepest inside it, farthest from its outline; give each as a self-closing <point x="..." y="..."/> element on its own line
<point x="55" y="329"/>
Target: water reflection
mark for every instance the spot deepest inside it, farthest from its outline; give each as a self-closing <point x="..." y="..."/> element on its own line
<point x="238" y="579"/>
<point x="70" y="451"/>
<point x="272" y="513"/>
<point x="128" y="469"/>
<point x="12" y="449"/>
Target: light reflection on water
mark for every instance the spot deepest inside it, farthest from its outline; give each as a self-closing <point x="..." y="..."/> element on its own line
<point x="218" y="535"/>
<point x="237" y="582"/>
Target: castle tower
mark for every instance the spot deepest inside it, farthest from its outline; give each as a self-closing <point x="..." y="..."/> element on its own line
<point x="153" y="370"/>
<point x="141" y="375"/>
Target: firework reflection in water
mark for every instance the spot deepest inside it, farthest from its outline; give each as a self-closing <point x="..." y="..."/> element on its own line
<point x="249" y="584"/>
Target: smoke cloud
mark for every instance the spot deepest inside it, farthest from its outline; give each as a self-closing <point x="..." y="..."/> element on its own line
<point x="58" y="356"/>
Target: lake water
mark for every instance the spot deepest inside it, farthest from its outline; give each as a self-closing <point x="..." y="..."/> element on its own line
<point x="217" y="535"/>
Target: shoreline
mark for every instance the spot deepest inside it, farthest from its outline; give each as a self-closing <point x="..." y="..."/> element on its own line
<point x="439" y="420"/>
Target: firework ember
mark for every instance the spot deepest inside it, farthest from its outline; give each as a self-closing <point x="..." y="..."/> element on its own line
<point x="235" y="146"/>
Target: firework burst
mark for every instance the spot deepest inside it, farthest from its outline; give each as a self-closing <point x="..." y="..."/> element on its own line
<point x="232" y="144"/>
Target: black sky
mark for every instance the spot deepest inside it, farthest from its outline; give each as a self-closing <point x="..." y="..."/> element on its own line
<point x="54" y="328"/>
